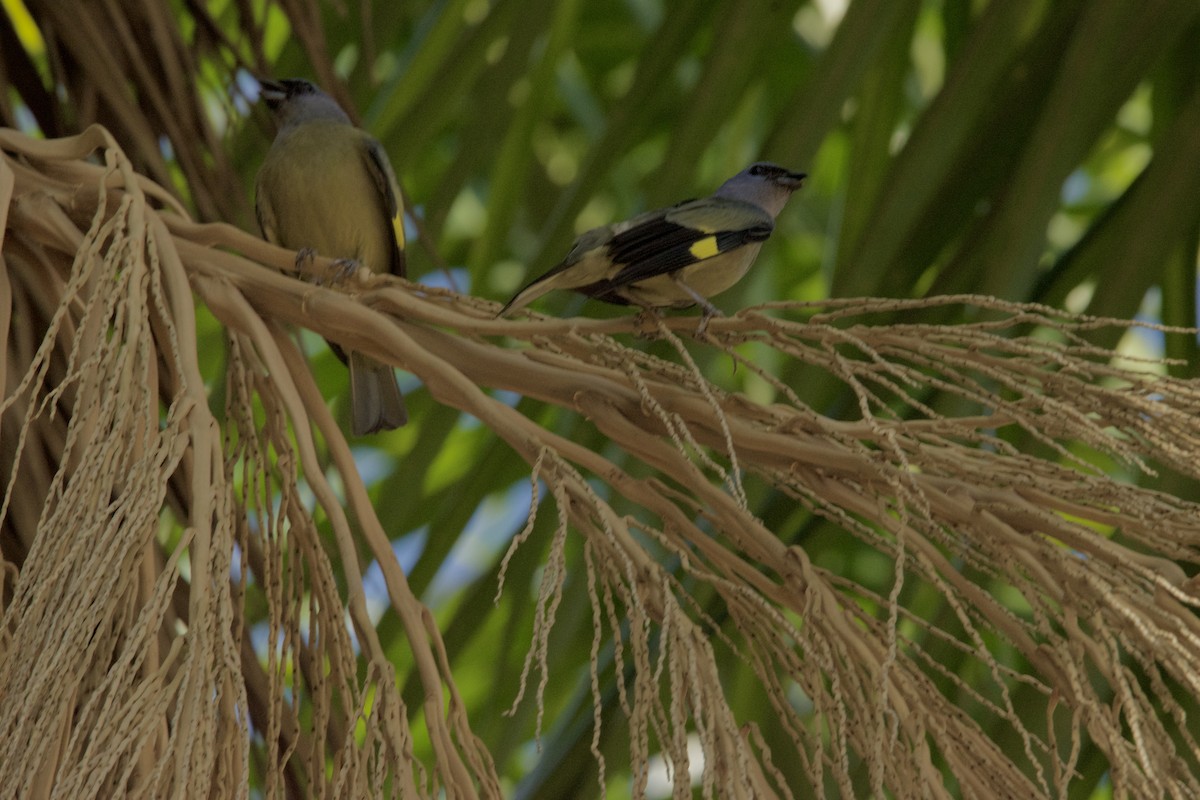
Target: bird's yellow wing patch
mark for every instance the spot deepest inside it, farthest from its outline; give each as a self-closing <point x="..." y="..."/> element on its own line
<point x="398" y="227"/>
<point x="704" y="248"/>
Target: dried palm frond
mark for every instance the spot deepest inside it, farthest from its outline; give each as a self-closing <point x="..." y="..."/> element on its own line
<point x="1060" y="591"/>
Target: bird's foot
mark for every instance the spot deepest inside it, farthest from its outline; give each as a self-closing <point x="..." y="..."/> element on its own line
<point x="342" y="270"/>
<point x="338" y="272"/>
<point x="305" y="257"/>
<point x="709" y="312"/>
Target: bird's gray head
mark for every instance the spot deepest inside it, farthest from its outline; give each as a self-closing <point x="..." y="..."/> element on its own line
<point x="293" y="100"/>
<point x="764" y="184"/>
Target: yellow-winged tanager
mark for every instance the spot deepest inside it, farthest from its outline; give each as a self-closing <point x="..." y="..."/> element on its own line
<point x="327" y="186"/>
<point x="675" y="257"/>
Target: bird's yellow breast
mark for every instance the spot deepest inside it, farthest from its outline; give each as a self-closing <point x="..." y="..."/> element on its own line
<point x="321" y="195"/>
<point x="708" y="278"/>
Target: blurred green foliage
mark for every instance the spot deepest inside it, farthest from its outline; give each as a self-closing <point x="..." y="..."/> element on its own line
<point x="1040" y="150"/>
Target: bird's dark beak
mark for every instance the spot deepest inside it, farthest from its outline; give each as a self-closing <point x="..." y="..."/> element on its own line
<point x="791" y="180"/>
<point x="271" y="92"/>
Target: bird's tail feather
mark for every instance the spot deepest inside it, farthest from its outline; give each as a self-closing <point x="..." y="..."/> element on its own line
<point x="551" y="280"/>
<point x="375" y="400"/>
<point x="521" y="299"/>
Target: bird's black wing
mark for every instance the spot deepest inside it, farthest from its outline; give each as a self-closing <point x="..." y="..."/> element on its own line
<point x="385" y="179"/>
<point x="265" y="215"/>
<point x="663" y="242"/>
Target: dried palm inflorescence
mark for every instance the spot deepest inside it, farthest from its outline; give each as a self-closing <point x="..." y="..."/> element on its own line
<point x="128" y="659"/>
<point x="121" y="678"/>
